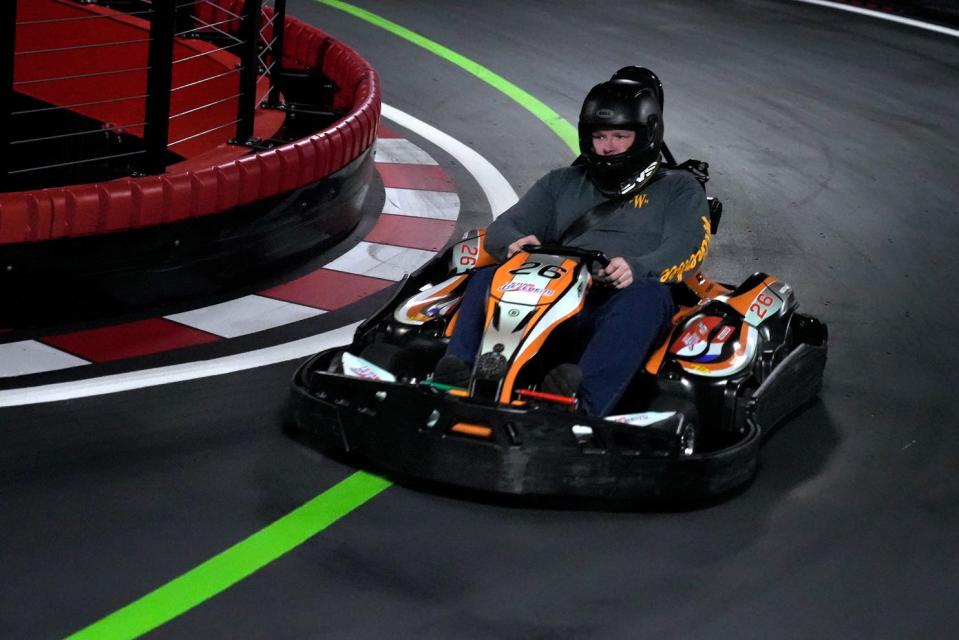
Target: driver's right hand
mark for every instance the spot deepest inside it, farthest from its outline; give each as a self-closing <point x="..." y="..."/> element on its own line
<point x="517" y="245"/>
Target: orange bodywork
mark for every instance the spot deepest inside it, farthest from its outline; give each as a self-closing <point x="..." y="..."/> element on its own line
<point x="552" y="291"/>
<point x="742" y="301"/>
<point x="451" y="325"/>
<point x="468" y="429"/>
<point x="704" y="286"/>
<point x="416" y="312"/>
<point x="655" y="360"/>
<point x="741" y="346"/>
<point x="471" y="253"/>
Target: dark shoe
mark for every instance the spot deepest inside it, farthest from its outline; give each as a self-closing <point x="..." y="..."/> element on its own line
<point x="563" y="380"/>
<point x="452" y="371"/>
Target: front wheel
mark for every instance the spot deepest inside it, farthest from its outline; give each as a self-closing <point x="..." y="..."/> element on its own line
<point x="688" y="437"/>
<point x="687" y="433"/>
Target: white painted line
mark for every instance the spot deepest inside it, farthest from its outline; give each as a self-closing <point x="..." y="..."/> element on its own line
<point x="178" y="372"/>
<point x="499" y="194"/>
<point x="401" y="151"/>
<point x="245" y="315"/>
<point x="29" y="356"/>
<point x="498" y="191"/>
<point x="928" y="26"/>
<point x="381" y="260"/>
<point x="441" y="205"/>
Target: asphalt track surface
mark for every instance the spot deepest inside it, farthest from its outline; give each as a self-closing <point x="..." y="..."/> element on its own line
<point x="831" y="139"/>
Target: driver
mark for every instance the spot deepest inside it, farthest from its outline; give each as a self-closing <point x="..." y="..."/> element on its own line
<point x="618" y="199"/>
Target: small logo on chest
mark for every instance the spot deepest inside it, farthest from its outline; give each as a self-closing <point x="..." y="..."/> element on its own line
<point x="640" y="200"/>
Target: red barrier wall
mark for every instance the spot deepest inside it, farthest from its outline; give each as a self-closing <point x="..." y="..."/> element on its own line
<point x="131" y="203"/>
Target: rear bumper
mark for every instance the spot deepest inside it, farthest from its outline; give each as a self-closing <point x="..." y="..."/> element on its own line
<point x="794" y="383"/>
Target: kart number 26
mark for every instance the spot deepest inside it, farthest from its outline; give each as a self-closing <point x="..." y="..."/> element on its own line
<point x="470" y="259"/>
<point x="550" y="271"/>
<point x="761" y="305"/>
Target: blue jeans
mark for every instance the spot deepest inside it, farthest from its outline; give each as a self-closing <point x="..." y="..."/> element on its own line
<point x="616" y="328"/>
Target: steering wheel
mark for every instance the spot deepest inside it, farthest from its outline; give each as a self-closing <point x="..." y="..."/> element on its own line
<point x="588" y="255"/>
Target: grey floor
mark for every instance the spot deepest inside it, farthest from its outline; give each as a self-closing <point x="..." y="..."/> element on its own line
<point x="831" y="139"/>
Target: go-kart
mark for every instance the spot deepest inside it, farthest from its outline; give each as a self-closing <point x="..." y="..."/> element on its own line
<point x="733" y="364"/>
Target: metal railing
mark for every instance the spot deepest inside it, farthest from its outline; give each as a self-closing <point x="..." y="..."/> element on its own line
<point x="51" y="137"/>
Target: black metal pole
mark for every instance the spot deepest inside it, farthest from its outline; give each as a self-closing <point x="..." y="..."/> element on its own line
<point x="246" y="105"/>
<point x="279" y="22"/>
<point x="159" y="84"/>
<point x="8" y="35"/>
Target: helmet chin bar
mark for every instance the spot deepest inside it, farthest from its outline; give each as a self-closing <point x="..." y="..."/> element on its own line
<point x="640" y="179"/>
<point x="609" y="184"/>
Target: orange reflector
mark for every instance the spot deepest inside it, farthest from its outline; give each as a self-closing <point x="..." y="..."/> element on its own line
<point x="548" y="397"/>
<point x="461" y="393"/>
<point x="468" y="429"/>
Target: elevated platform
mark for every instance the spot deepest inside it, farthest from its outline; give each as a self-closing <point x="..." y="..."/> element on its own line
<point x="221" y="213"/>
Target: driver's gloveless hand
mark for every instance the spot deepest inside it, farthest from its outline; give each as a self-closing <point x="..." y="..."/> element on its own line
<point x="517" y="245"/>
<point x="617" y="274"/>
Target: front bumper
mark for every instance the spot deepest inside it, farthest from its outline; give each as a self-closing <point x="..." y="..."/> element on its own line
<point x="406" y="430"/>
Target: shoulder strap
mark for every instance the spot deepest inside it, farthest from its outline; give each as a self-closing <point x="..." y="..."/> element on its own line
<point x="595" y="214"/>
<point x="590" y="218"/>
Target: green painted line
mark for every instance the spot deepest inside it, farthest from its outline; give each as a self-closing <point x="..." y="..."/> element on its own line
<point x="236" y="563"/>
<point x="566" y="132"/>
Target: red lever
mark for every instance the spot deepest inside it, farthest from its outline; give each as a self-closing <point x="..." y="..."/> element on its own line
<point x="548" y="397"/>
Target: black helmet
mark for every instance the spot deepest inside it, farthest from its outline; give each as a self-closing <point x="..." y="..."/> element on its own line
<point x="632" y="99"/>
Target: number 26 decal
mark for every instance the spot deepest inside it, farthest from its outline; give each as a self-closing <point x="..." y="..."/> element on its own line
<point x="468" y="260"/>
<point x="550" y="271"/>
<point x="761" y="304"/>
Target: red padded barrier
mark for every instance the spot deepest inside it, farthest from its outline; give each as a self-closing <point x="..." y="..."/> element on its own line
<point x="59" y="226"/>
<point x="354" y="136"/>
<point x="178" y="197"/>
<point x="39" y="217"/>
<point x="289" y="167"/>
<point x="82" y="213"/>
<point x="227" y="186"/>
<point x="148" y="203"/>
<point x="250" y="169"/>
<point x="337" y="148"/>
<point x="116" y="202"/>
<point x="270" y="182"/>
<point x="306" y="161"/>
<point x="17" y="222"/>
<point x="324" y="153"/>
<point x="130" y="203"/>
<point x="204" y="192"/>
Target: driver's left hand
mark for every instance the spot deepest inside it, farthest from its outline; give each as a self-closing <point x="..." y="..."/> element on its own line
<point x="617" y="274"/>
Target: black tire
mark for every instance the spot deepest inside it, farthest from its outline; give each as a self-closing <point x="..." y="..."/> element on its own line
<point x="394" y="359"/>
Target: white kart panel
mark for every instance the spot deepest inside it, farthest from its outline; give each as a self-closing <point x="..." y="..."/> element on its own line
<point x="359" y="368"/>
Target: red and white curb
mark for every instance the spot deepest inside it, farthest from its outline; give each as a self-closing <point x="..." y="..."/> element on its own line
<point x="418" y="217"/>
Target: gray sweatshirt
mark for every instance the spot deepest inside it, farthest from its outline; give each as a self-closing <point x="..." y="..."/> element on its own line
<point x="661" y="232"/>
